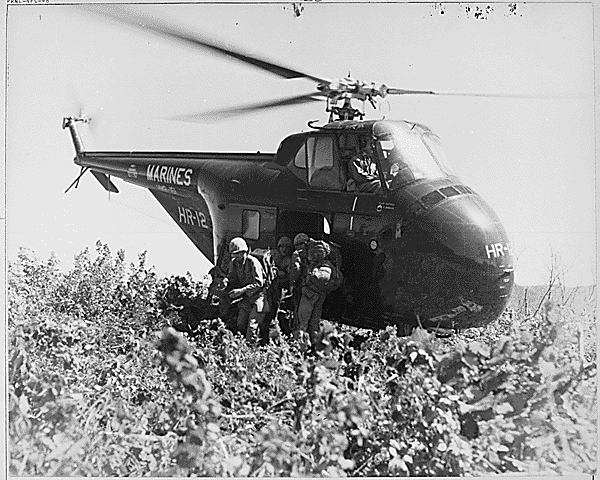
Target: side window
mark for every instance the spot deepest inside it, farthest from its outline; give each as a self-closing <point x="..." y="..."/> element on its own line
<point x="300" y="159"/>
<point x="320" y="153"/>
<point x="250" y="224"/>
<point x="323" y="173"/>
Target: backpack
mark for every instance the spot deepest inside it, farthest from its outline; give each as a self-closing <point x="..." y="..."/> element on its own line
<point x="334" y="258"/>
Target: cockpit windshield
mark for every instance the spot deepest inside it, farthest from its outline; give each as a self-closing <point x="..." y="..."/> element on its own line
<point x="409" y="152"/>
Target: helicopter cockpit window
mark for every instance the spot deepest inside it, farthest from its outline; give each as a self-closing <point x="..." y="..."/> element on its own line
<point x="251" y="224"/>
<point x="435" y="146"/>
<point x="322" y="172"/>
<point x="410" y="154"/>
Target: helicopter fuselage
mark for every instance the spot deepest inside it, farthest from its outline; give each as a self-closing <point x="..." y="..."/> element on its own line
<point x="418" y="248"/>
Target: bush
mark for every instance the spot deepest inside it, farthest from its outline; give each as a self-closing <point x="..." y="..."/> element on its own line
<point x="113" y="372"/>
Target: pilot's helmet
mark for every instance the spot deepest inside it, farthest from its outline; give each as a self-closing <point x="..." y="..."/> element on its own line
<point x="300" y="239"/>
<point x="238" y="244"/>
<point x="285" y="242"/>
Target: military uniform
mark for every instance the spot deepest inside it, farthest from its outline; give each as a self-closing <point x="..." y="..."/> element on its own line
<point x="314" y="289"/>
<point x="298" y="270"/>
<point x="246" y="280"/>
<point x="282" y="258"/>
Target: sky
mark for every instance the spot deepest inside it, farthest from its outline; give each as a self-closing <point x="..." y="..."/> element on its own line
<point x="532" y="159"/>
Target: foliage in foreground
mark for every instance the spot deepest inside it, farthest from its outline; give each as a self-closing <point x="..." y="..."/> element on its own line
<point x="101" y="384"/>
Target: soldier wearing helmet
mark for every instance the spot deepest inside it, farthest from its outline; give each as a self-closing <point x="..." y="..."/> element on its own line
<point x="298" y="269"/>
<point x="283" y="241"/>
<point x="300" y="240"/>
<point x="282" y="258"/>
<point x="299" y="257"/>
<point x="245" y="283"/>
<point x="314" y="289"/>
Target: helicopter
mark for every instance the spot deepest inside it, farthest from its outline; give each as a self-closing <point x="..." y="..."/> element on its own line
<point x="419" y="247"/>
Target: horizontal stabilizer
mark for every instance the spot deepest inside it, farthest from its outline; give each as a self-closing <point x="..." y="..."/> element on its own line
<point x="108" y="185"/>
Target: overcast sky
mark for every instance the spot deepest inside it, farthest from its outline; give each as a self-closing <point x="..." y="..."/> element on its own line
<point x="531" y="159"/>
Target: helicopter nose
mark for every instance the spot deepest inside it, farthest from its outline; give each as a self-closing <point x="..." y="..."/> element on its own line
<point x="460" y="254"/>
<point x="478" y="253"/>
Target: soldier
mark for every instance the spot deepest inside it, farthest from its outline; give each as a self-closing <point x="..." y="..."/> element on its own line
<point x="298" y="269"/>
<point x="218" y="287"/>
<point x="245" y="283"/>
<point x="282" y="258"/>
<point x="363" y="172"/>
<point x="315" y="287"/>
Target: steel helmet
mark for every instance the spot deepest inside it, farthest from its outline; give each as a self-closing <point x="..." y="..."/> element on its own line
<point x="300" y="238"/>
<point x="284" y="241"/>
<point x="238" y="244"/>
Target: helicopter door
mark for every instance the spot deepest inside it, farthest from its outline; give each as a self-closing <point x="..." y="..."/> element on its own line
<point x="254" y="223"/>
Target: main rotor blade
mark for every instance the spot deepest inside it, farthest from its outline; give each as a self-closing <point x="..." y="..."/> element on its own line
<point x="401" y="91"/>
<point x="170" y="31"/>
<point x="216" y="115"/>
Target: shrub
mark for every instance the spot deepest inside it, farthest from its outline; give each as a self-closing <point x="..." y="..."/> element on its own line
<point x="113" y="372"/>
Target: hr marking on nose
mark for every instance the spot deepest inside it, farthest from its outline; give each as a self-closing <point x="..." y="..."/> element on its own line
<point x="497" y="250"/>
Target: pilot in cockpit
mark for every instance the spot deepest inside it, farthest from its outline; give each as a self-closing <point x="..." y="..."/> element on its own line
<point x="364" y="176"/>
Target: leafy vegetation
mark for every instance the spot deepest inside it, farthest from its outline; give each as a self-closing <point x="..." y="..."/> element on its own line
<point x="112" y="374"/>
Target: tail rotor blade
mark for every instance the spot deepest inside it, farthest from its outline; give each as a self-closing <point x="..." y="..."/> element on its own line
<point x="89" y="110"/>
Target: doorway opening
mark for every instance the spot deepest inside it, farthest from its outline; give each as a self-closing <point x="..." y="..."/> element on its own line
<point x="290" y="223"/>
